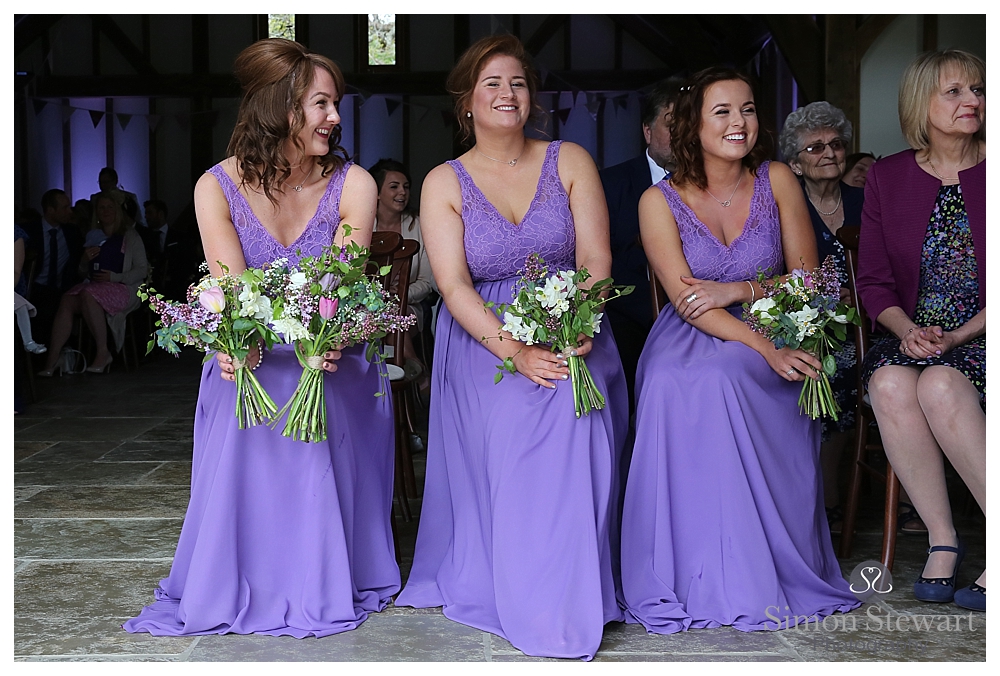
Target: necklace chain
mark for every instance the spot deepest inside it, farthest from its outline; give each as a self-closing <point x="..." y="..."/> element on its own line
<point x="826" y="213"/>
<point x="934" y="169"/>
<point x="512" y="162"/>
<point x="730" y="200"/>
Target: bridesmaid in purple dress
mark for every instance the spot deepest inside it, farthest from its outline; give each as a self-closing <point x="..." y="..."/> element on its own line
<point x="516" y="524"/>
<point x="283" y="537"/>
<point x="723" y="522"/>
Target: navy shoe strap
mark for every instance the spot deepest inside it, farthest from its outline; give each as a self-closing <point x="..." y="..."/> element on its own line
<point x="977" y="588"/>
<point x="942" y="548"/>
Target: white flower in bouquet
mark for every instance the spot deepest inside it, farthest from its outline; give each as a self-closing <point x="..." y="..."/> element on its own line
<point x="595" y="321"/>
<point x="297" y="279"/>
<point x="518" y="329"/>
<point x="840" y="319"/>
<point x="290" y="328"/>
<point x="762" y="305"/>
<point x="254" y="304"/>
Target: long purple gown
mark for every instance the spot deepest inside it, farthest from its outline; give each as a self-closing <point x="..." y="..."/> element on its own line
<point x="519" y="500"/>
<point x="284" y="537"/>
<point x="723" y="522"/>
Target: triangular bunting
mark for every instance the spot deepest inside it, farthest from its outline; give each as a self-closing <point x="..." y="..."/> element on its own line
<point x="96" y="116"/>
<point x="153" y="120"/>
<point x="39" y="105"/>
<point x="67" y="112"/>
<point x="594" y="106"/>
<point x="621" y="102"/>
<point x="390" y="106"/>
<point x="123" y="120"/>
<point x="563" y="114"/>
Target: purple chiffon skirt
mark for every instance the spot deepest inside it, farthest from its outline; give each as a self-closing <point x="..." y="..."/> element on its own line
<point x="520" y="498"/>
<point x="284" y="537"/>
<point x="723" y="522"/>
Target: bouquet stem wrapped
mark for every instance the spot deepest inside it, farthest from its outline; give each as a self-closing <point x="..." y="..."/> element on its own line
<point x="328" y="304"/>
<point x="554" y="309"/>
<point x="804" y="311"/>
<point x="226" y="314"/>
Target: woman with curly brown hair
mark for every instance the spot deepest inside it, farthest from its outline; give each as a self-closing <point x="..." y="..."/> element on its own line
<point x="723" y="521"/>
<point x="283" y="537"/>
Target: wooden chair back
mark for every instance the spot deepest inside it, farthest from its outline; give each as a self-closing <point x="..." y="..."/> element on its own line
<point x="384" y="245"/>
<point x="848" y="236"/>
<point x="402" y="262"/>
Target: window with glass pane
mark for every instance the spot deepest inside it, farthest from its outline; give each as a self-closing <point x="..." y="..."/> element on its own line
<point x="281" y="26"/>
<point x="381" y="39"/>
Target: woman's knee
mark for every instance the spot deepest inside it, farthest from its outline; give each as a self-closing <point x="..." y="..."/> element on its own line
<point x="893" y="388"/>
<point x="945" y="390"/>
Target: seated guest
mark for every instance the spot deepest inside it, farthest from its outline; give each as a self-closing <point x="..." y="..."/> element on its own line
<point x="631" y="316"/>
<point x="107" y="179"/>
<point x="57" y="244"/>
<point x="23" y="310"/>
<point x="393" y="214"/>
<point x="814" y="141"/>
<point x="856" y="168"/>
<point x="116" y="267"/>
<point x="169" y="251"/>
<point x="922" y="277"/>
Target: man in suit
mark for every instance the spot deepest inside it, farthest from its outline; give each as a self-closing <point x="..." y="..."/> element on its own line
<point x="107" y="179"/>
<point x="631" y="317"/>
<point x="169" y="250"/>
<point x="57" y="246"/>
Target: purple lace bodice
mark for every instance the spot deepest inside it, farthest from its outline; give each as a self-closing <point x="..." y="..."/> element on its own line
<point x="496" y="248"/>
<point x="758" y="247"/>
<point x="259" y="246"/>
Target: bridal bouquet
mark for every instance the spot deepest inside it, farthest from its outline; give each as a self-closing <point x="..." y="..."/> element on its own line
<point x="226" y="314"/>
<point x="805" y="311"/>
<point x="553" y="309"/>
<point x="328" y="303"/>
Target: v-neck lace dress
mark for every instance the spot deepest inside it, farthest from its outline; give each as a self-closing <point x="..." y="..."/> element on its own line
<point x="723" y="521"/>
<point x="518" y="513"/>
<point x="284" y="537"/>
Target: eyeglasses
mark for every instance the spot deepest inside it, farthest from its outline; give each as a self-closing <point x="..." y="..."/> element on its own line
<point x="836" y="145"/>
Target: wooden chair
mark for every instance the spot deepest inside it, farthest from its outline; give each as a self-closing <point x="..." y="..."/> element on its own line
<point x="865" y="416"/>
<point x="384" y="245"/>
<point x="404" y="384"/>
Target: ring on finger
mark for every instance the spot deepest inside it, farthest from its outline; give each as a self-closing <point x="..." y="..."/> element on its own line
<point x="692" y="298"/>
<point x="790" y="372"/>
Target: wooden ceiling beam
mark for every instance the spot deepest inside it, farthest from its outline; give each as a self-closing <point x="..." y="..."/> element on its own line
<point x="30" y="27"/>
<point x="124" y="45"/>
<point x="803" y="45"/>
<point x="550" y="26"/>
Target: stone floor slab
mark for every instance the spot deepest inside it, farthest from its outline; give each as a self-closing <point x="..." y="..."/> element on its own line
<point x="174" y="429"/>
<point x="26" y="449"/>
<point x="67" y="451"/>
<point x="96" y="538"/>
<point x="151" y="450"/>
<point x="99" y="589"/>
<point x="87" y="429"/>
<point x="632" y="638"/>
<point x="106" y="502"/>
<point x="409" y="638"/>
<point x="169" y="474"/>
<point x="82" y="473"/>
<point x="89" y="637"/>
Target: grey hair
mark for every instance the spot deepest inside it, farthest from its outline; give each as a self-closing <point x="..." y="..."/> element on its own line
<point x="812" y="117"/>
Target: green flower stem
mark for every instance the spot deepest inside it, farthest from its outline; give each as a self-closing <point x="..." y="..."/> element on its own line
<point x="253" y="404"/>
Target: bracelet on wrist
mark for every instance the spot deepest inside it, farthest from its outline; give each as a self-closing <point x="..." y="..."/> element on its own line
<point x="260" y="357"/>
<point x="753" y="293"/>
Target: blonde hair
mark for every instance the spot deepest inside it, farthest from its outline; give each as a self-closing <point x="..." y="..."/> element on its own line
<point x="919" y="83"/>
<point x="116" y="197"/>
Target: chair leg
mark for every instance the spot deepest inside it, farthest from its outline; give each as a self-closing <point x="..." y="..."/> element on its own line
<point x="399" y="486"/>
<point x="403" y="444"/>
<point x="854" y="487"/>
<point x="891" y="517"/>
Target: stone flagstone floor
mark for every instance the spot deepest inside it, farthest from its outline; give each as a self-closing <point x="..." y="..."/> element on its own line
<point x="102" y="466"/>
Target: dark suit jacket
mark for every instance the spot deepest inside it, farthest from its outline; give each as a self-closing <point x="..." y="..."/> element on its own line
<point x="623" y="186"/>
<point x="69" y="275"/>
<point x="899" y="199"/>
<point x="174" y="265"/>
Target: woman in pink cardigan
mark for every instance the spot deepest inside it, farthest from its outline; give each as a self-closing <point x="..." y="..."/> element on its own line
<point x="922" y="277"/>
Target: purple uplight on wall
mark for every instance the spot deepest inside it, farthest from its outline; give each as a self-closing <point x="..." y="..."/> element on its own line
<point x="88" y="149"/>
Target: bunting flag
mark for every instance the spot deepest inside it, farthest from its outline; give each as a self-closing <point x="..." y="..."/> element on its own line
<point x="594" y="106"/>
<point x="39" y="106"/>
<point x="563" y="114"/>
<point x="391" y="105"/>
<point x="621" y="102"/>
<point x="153" y="121"/>
<point x="123" y="120"/>
<point x="96" y="116"/>
<point x="67" y="112"/>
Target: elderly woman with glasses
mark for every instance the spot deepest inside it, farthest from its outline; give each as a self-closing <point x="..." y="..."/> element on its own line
<point x="814" y="142"/>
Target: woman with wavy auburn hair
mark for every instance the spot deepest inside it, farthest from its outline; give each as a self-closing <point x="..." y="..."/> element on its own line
<point x="723" y="521"/>
<point x="922" y="278"/>
<point x="283" y="537"/>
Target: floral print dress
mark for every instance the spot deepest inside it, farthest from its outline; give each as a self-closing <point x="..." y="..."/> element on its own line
<point x="948" y="296"/>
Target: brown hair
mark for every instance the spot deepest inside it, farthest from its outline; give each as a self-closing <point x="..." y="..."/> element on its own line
<point x="116" y="197"/>
<point x="464" y="76"/>
<point x="919" y="82"/>
<point x="275" y="75"/>
<point x="685" y="129"/>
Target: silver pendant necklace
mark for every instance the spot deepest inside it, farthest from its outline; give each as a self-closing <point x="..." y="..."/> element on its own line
<point x="511" y="163"/>
<point x="730" y="200"/>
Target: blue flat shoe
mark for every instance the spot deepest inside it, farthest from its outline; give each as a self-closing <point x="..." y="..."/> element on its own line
<point x="939" y="589"/>
<point x="972" y="597"/>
